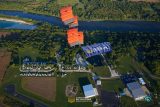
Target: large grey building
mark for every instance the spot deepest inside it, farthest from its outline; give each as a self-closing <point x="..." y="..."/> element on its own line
<point x="136" y="90"/>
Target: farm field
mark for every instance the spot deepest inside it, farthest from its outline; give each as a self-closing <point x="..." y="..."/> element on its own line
<point x="4" y="33"/>
<point x="5" y="58"/>
<point x="41" y="86"/>
<point x="12" y="77"/>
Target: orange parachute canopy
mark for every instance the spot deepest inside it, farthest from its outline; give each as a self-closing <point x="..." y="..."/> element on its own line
<point x="75" y="22"/>
<point x="74" y="37"/>
<point x="81" y="37"/>
<point x="66" y="13"/>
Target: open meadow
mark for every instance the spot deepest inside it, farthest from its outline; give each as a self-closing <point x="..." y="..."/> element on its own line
<point x="41" y="86"/>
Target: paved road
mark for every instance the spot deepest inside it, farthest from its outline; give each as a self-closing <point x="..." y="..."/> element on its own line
<point x="109" y="78"/>
<point x="113" y="72"/>
<point x="76" y="71"/>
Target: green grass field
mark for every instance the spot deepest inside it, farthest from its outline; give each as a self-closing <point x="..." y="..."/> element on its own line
<point x="71" y="78"/>
<point x="102" y="71"/>
<point x="28" y="51"/>
<point x="12" y="77"/>
<point x="112" y="85"/>
<point x="127" y="65"/>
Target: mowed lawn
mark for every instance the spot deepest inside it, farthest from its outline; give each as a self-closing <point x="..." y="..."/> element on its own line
<point x="102" y="71"/>
<point x="28" y="51"/>
<point x="127" y="64"/>
<point x="71" y="78"/>
<point x="67" y="2"/>
<point x="41" y="86"/>
<point x="112" y="85"/>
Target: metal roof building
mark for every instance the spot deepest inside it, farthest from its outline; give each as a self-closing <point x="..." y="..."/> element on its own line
<point x="136" y="90"/>
<point x="89" y="91"/>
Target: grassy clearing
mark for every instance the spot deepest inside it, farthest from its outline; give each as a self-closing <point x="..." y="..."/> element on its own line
<point x="42" y="86"/>
<point x="71" y="78"/>
<point x="28" y="51"/>
<point x="67" y="2"/>
<point x="102" y="71"/>
<point x="112" y="85"/>
<point x="127" y="64"/>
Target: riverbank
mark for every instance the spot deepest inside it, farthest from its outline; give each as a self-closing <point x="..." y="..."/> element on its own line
<point x="114" y="26"/>
<point x="108" y="10"/>
<point x="16" y="20"/>
<point x="80" y="18"/>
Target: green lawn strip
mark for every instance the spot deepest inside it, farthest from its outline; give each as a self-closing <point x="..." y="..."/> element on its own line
<point x="10" y="5"/>
<point x="112" y="85"/>
<point x="127" y="102"/>
<point x="127" y="64"/>
<point x="145" y="104"/>
<point x="102" y="71"/>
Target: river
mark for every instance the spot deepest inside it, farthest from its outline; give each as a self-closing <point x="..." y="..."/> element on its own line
<point x="116" y="26"/>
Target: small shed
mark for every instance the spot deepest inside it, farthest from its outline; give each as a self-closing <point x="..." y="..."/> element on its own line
<point x="141" y="81"/>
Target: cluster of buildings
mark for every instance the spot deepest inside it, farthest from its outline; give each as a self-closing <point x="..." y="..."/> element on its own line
<point x="135" y="87"/>
<point x="74" y="37"/>
<point x="93" y="90"/>
<point x="36" y="69"/>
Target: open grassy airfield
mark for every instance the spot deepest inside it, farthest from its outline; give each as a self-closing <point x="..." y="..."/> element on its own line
<point x="36" y="92"/>
<point x="133" y="52"/>
<point x="41" y="86"/>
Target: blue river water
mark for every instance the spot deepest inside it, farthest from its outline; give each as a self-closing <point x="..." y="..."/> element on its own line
<point x="117" y="26"/>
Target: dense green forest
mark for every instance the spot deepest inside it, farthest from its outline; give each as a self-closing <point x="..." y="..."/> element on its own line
<point x="90" y="9"/>
<point x="46" y="40"/>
